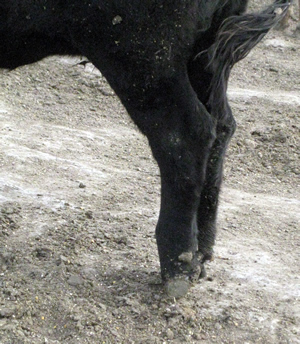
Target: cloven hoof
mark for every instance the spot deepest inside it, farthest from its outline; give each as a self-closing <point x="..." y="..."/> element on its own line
<point x="177" y="287"/>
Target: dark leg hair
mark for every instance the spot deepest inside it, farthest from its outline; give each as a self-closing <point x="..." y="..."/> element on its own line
<point x="201" y="77"/>
<point x="209" y="73"/>
<point x="181" y="141"/>
<point x="207" y="211"/>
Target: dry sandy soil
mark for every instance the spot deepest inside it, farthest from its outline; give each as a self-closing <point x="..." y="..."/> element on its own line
<point x="79" y="200"/>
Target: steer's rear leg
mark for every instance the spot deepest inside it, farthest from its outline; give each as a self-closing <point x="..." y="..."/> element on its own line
<point x="216" y="103"/>
<point x="209" y="74"/>
<point x="207" y="211"/>
<point x="181" y="140"/>
<point x="181" y="133"/>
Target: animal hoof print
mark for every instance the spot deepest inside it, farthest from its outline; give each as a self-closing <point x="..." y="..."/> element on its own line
<point x="177" y="287"/>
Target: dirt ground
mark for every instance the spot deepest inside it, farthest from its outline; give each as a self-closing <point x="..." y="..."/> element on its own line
<point x="79" y="200"/>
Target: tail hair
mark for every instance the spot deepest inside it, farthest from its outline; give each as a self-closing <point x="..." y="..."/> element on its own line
<point x="235" y="39"/>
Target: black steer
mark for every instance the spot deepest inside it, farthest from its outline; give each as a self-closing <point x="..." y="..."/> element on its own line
<point x="169" y="63"/>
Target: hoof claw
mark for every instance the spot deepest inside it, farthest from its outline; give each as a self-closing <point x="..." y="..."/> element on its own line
<point x="177" y="287"/>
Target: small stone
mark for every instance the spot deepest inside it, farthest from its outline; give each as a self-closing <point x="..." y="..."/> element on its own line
<point x="9" y="327"/>
<point x="20" y="333"/>
<point x="6" y="312"/>
<point x="121" y="240"/>
<point x="218" y="326"/>
<point x="102" y="306"/>
<point x="82" y="186"/>
<point x="250" y="143"/>
<point x="64" y="259"/>
<point x="117" y="20"/>
<point x="89" y="214"/>
<point x="7" y="258"/>
<point x="197" y="336"/>
<point x="75" y="280"/>
<point x="170" y="334"/>
<point x="43" y="252"/>
<point x="272" y="69"/>
<point x="3" y="322"/>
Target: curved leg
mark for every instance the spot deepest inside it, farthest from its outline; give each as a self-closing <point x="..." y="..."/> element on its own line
<point x="209" y="73"/>
<point x="161" y="101"/>
<point x="178" y="110"/>
<point x="207" y="211"/>
<point x="180" y="133"/>
<point x="225" y="126"/>
<point x="167" y="106"/>
<point x="181" y="141"/>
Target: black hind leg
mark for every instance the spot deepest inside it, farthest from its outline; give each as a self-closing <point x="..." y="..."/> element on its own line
<point x="209" y="74"/>
<point x="207" y="210"/>
<point x="216" y="103"/>
<point x="181" y="145"/>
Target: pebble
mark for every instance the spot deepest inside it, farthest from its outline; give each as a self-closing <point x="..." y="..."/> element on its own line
<point x="9" y="327"/>
<point x="75" y="280"/>
<point x="250" y="143"/>
<point x="218" y="326"/>
<point x="3" y="322"/>
<point x="20" y="333"/>
<point x="6" y="312"/>
<point x="101" y="305"/>
<point x="89" y="214"/>
<point x="170" y="334"/>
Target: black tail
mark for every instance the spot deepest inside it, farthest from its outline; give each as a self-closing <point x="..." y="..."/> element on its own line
<point x="236" y="37"/>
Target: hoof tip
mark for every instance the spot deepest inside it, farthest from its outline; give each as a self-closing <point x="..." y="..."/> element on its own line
<point x="177" y="287"/>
